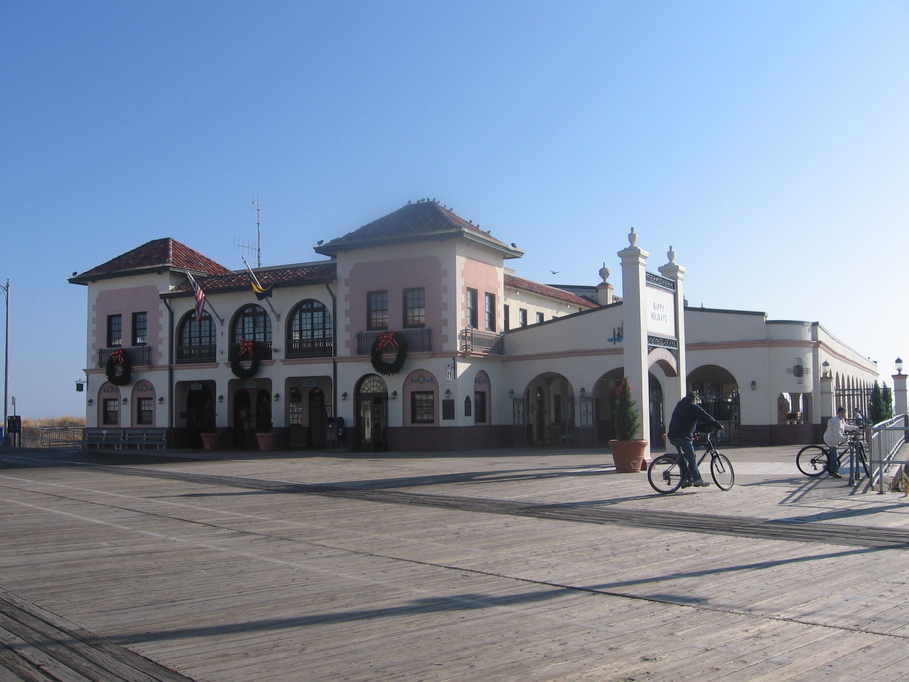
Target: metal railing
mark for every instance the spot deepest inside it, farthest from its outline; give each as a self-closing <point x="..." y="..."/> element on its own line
<point x="417" y="340"/>
<point x="138" y="355"/>
<point x="309" y="348"/>
<point x="51" y="436"/>
<point x="206" y="353"/>
<point x="885" y="442"/>
<point x="473" y="340"/>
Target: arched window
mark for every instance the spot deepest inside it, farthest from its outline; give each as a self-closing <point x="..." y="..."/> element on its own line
<point x="253" y="324"/>
<point x="309" y="331"/>
<point x="197" y="341"/>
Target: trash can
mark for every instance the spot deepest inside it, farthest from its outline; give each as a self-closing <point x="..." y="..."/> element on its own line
<point x="331" y="433"/>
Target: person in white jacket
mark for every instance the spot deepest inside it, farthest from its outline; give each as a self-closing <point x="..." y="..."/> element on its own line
<point x="834" y="436"/>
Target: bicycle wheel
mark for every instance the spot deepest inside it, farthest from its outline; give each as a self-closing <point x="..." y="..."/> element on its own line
<point x="664" y="474"/>
<point x="860" y="455"/>
<point x="812" y="460"/>
<point x="721" y="471"/>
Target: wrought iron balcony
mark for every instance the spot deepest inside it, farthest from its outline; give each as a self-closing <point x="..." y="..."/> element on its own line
<point x="417" y="340"/>
<point x="475" y="341"/>
<point x="263" y="349"/>
<point x="309" y="348"/>
<point x="188" y="354"/>
<point x="138" y="355"/>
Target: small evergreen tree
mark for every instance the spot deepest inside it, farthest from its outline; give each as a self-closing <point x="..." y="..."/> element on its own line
<point x="877" y="404"/>
<point x="888" y="401"/>
<point x="625" y="417"/>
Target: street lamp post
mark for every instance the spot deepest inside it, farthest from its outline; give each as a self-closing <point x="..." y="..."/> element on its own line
<point x="6" y="355"/>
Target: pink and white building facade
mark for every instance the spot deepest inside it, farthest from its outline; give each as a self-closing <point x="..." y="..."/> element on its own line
<point x="414" y="331"/>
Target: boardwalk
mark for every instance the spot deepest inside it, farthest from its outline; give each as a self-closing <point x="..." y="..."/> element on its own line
<point x="508" y="565"/>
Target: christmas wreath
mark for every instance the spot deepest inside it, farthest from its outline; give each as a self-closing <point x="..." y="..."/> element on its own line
<point x="245" y="347"/>
<point x="395" y="341"/>
<point x="119" y="368"/>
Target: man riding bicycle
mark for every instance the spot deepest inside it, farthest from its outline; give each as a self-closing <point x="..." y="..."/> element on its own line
<point x="682" y="425"/>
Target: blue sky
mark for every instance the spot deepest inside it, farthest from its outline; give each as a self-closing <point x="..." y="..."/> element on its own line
<point x="766" y="141"/>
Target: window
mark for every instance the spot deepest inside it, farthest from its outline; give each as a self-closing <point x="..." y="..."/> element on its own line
<point x="472" y="312"/>
<point x="111" y="413"/>
<point x="522" y="317"/>
<point x="140" y="329"/>
<point x="197" y="341"/>
<point x="254" y="324"/>
<point x="309" y="333"/>
<point x="145" y="411"/>
<point x="507" y="321"/>
<point x="490" y="312"/>
<point x="377" y="310"/>
<point x="539" y="317"/>
<point x="114" y="331"/>
<point x="422" y="407"/>
<point x="415" y="307"/>
<point x="479" y="407"/>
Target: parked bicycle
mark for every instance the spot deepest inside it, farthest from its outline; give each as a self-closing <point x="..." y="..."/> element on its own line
<point x="666" y="477"/>
<point x="813" y="460"/>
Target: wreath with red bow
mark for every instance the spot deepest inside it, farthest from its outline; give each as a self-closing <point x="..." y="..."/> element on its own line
<point x="384" y="340"/>
<point x="119" y="369"/>
<point x="245" y="348"/>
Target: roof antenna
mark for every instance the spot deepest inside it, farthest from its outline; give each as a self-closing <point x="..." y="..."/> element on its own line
<point x="244" y="246"/>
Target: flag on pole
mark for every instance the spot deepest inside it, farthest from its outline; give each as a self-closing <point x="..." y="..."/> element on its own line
<point x="199" y="296"/>
<point x="260" y="291"/>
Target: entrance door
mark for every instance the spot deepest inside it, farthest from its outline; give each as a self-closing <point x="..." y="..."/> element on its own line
<point x="200" y="416"/>
<point x="372" y="413"/>
<point x="317" y="418"/>
<point x="244" y="433"/>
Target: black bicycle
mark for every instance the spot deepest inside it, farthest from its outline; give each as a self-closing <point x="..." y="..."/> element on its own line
<point x="814" y="460"/>
<point x="666" y="477"/>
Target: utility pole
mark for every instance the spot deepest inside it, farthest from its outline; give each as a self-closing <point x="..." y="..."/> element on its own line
<point x="6" y="356"/>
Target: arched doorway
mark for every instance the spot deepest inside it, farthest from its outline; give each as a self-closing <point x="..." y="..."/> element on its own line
<point x="200" y="416"/>
<point x="372" y="412"/>
<point x="718" y="392"/>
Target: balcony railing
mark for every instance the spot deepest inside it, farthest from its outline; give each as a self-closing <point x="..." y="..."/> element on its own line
<point x="475" y="341"/>
<point x="188" y="354"/>
<point x="309" y="348"/>
<point x="138" y="355"/>
<point x="417" y="340"/>
<point x="263" y="349"/>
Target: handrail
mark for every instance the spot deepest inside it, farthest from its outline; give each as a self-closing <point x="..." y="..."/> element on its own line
<point x="885" y="441"/>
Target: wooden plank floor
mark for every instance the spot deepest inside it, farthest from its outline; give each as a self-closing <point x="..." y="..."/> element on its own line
<point x="504" y="566"/>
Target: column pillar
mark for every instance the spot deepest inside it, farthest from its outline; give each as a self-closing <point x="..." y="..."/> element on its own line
<point x="634" y="345"/>
<point x="677" y="386"/>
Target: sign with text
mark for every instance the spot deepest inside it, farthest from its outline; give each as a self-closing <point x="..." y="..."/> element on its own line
<point x="660" y="312"/>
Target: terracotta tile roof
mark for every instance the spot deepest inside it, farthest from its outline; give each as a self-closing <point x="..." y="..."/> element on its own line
<point x="283" y="276"/>
<point x="415" y="222"/>
<point x="163" y="253"/>
<point x="547" y="291"/>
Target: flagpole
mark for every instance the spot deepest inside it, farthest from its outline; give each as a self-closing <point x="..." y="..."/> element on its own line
<point x="6" y="357"/>
<point x="259" y="284"/>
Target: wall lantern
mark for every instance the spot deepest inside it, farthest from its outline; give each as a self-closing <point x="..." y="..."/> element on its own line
<point x="826" y="366"/>
<point x="447" y="392"/>
<point x="394" y="395"/>
<point x="161" y="400"/>
<point x="583" y="391"/>
<point x="511" y="393"/>
<point x="277" y="396"/>
<point x="753" y="385"/>
<point x="344" y="395"/>
<point x="899" y="365"/>
<point x="125" y="400"/>
<point x="221" y="398"/>
<point x="89" y="401"/>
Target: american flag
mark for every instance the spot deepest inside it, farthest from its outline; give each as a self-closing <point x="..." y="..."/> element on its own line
<point x="199" y="295"/>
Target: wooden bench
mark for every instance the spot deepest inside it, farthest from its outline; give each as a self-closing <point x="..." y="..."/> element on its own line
<point x="103" y="438"/>
<point x="145" y="438"/>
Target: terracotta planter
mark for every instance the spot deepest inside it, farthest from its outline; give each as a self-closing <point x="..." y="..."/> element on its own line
<point x="628" y="455"/>
<point x="266" y="441"/>
<point x="210" y="440"/>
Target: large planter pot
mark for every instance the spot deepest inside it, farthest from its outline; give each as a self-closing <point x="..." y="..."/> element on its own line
<point x="210" y="440"/>
<point x="266" y="440"/>
<point x="628" y="455"/>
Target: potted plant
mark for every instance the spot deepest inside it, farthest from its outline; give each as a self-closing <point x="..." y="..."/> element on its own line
<point x="266" y="437"/>
<point x="627" y="450"/>
<point x="209" y="432"/>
